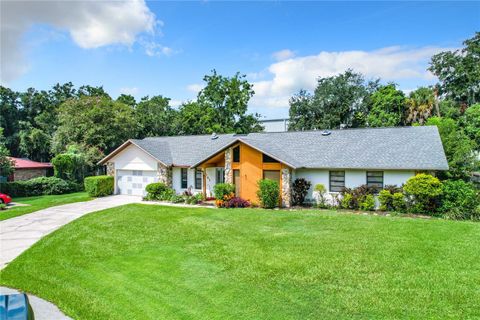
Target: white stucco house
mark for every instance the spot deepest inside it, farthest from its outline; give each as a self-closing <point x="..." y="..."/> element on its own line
<point x="336" y="159"/>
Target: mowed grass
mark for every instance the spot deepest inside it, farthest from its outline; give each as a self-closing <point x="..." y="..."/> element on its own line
<point x="153" y="262"/>
<point x="42" y="202"/>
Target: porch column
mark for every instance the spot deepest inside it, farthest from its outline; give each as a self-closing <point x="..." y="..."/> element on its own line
<point x="286" y="188"/>
<point x="111" y="169"/>
<point x="228" y="166"/>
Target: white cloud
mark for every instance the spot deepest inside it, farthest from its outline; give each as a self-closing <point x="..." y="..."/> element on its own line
<point x="283" y="54"/>
<point x="153" y="48"/>
<point x="91" y="24"/>
<point x="129" y="90"/>
<point x="390" y="64"/>
<point x="195" y="87"/>
<point x="176" y="103"/>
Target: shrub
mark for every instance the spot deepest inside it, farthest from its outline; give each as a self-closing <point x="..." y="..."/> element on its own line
<point x="423" y="193"/>
<point x="236" y="202"/>
<point x="319" y="193"/>
<point x="39" y="186"/>
<point x="385" y="197"/>
<point x="398" y="202"/>
<point x="197" y="198"/>
<point x="300" y="189"/>
<point x="459" y="199"/>
<point x="99" y="186"/>
<point x="368" y="203"/>
<point x="222" y="189"/>
<point x="268" y="193"/>
<point x="347" y="201"/>
<point x="353" y="197"/>
<point x="159" y="191"/>
<point x="177" y="199"/>
<point x="64" y="166"/>
<point x="3" y="206"/>
<point x="155" y="189"/>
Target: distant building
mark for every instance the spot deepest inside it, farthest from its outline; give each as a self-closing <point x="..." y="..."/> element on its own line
<point x="275" y="125"/>
<point x="27" y="169"/>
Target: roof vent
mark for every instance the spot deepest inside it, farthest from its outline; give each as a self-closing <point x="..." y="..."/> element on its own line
<point x="326" y="133"/>
<point x="214" y="136"/>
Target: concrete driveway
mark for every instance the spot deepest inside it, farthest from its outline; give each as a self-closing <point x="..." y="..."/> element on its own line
<point x="19" y="233"/>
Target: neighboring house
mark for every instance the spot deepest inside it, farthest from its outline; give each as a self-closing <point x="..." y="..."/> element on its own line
<point x="27" y="169"/>
<point x="275" y="125"/>
<point x="337" y="159"/>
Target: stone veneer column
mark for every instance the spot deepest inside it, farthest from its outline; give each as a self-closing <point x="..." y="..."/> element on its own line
<point x="111" y="169"/>
<point x="286" y="187"/>
<point x="228" y="166"/>
<point x="164" y="174"/>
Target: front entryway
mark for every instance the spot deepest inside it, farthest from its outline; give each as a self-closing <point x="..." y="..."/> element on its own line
<point x="134" y="182"/>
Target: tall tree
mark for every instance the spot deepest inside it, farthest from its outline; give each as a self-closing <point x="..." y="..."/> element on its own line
<point x="387" y="107"/>
<point x="458" y="149"/>
<point x="155" y="117"/>
<point x="341" y="99"/>
<point x="94" y="122"/>
<point x="195" y="119"/>
<point x="471" y="123"/>
<point x="420" y="103"/>
<point x="459" y="72"/>
<point x="6" y="165"/>
<point x="10" y="105"/>
<point x="302" y="114"/>
<point x="227" y="98"/>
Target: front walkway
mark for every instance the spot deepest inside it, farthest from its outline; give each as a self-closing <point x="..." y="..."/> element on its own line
<point x="19" y="233"/>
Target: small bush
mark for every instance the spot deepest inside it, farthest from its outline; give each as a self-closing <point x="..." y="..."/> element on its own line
<point x="177" y="199"/>
<point x="195" y="199"/>
<point x="385" y="197"/>
<point x="268" y="193"/>
<point x="368" y="203"/>
<point x="220" y="190"/>
<point x="319" y="194"/>
<point x="99" y="186"/>
<point x="353" y="197"/>
<point x="347" y="201"/>
<point x="459" y="200"/>
<point x="423" y="193"/>
<point x="398" y="202"/>
<point x="237" y="202"/>
<point x="300" y="189"/>
<point x="3" y="206"/>
<point x="155" y="189"/>
<point x="39" y="186"/>
<point x="159" y="191"/>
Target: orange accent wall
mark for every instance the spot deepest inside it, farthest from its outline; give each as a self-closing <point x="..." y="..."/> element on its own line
<point x="251" y="168"/>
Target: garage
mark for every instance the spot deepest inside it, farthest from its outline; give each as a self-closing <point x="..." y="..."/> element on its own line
<point x="133" y="182"/>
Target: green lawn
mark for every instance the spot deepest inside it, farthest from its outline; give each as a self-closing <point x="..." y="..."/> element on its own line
<point x="153" y="262"/>
<point x="42" y="202"/>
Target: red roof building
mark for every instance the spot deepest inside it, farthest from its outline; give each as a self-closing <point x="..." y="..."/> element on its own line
<point x="26" y="169"/>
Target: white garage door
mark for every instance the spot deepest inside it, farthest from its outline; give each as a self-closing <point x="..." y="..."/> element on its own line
<point x="133" y="182"/>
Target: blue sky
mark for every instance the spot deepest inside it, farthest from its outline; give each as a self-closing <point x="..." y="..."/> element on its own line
<point x="166" y="47"/>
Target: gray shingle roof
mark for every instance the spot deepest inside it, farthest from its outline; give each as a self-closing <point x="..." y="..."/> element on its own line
<point x="417" y="148"/>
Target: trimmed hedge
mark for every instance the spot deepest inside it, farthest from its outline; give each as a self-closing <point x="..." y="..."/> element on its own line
<point x="220" y="190"/>
<point x="39" y="186"/>
<point x="268" y="193"/>
<point x="99" y="186"/>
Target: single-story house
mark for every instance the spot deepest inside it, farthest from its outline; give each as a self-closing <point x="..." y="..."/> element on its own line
<point x="26" y="169"/>
<point x="336" y="158"/>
